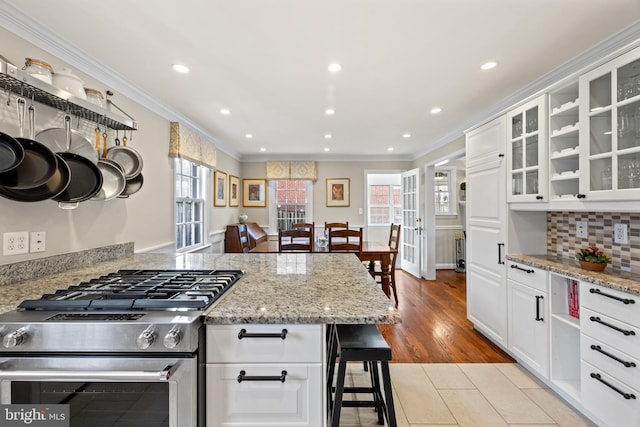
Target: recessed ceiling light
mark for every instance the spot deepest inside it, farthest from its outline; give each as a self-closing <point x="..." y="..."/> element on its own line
<point x="225" y="111"/>
<point x="329" y="111"/>
<point x="327" y="149"/>
<point x="436" y="110"/>
<point x="248" y="135"/>
<point x="488" y="65"/>
<point x="180" y="68"/>
<point x="406" y="135"/>
<point x="390" y="149"/>
<point x="327" y="136"/>
<point x="263" y="149"/>
<point x="335" y="67"/>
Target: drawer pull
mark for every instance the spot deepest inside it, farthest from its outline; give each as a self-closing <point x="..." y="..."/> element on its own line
<point x="538" y="299"/>
<point x="617" y="359"/>
<point x="242" y="376"/>
<point x="623" y="300"/>
<point x="244" y="334"/>
<point x="624" y="331"/>
<point x="526" y="270"/>
<point x="612" y="387"/>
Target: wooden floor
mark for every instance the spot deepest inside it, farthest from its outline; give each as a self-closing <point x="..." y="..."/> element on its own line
<point x="434" y="326"/>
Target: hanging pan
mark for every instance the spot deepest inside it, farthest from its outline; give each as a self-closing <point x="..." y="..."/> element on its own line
<point x="54" y="186"/>
<point x="133" y="186"/>
<point x="113" y="180"/>
<point x="56" y="140"/>
<point x="127" y="157"/>
<point x="11" y="153"/>
<point x="86" y="179"/>
<point x="37" y="166"/>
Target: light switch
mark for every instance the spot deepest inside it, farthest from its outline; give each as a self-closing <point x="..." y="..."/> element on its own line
<point x="360" y="211"/>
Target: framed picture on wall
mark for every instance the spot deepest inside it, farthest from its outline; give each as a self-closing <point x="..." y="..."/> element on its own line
<point x="338" y="192"/>
<point x="219" y="188"/>
<point x="234" y="190"/>
<point x="254" y="193"/>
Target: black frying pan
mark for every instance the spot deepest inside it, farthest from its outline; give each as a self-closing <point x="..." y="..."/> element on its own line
<point x="54" y="186"/>
<point x="86" y="179"/>
<point x="37" y="167"/>
<point x="11" y="153"/>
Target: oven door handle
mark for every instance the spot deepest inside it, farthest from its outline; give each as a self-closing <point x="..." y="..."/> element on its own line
<point x="61" y="375"/>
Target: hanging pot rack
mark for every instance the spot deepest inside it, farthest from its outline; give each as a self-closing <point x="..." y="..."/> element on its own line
<point x="14" y="80"/>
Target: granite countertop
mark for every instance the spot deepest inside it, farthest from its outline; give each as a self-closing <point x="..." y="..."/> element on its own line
<point x="277" y="288"/>
<point x="614" y="279"/>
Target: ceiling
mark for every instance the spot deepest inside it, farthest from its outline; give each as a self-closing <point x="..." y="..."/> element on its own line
<point x="266" y="62"/>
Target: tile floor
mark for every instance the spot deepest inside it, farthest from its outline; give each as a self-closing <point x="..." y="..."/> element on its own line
<point x="465" y="395"/>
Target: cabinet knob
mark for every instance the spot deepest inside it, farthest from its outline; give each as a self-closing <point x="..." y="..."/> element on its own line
<point x="539" y="197"/>
<point x="580" y="196"/>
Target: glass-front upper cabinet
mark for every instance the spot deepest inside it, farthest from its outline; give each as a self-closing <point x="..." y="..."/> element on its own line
<point x="610" y="137"/>
<point x="526" y="153"/>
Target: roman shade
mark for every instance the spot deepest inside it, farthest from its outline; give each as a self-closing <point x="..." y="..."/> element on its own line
<point x="188" y="145"/>
<point x="298" y="169"/>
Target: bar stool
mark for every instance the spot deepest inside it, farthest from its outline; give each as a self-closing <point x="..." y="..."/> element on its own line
<point x="359" y="343"/>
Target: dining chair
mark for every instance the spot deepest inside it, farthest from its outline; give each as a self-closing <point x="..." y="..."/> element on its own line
<point x="298" y="239"/>
<point x="394" y="243"/>
<point x="345" y="240"/>
<point x="332" y="225"/>
<point x="244" y="238"/>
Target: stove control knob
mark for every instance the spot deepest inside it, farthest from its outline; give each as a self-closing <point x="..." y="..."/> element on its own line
<point x="173" y="338"/>
<point x="146" y="338"/>
<point x="15" y="338"/>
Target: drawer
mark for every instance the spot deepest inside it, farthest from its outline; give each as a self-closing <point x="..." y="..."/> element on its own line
<point x="612" y="332"/>
<point x="607" y="404"/>
<point x="302" y="343"/>
<point x="295" y="402"/>
<point x="533" y="277"/>
<point x="611" y="302"/>
<point x="611" y="361"/>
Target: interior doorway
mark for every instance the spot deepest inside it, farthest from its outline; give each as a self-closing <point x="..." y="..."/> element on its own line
<point x="445" y="213"/>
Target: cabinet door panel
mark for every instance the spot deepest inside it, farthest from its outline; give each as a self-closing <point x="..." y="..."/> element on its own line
<point x="295" y="402"/>
<point x="528" y="337"/>
<point x="487" y="303"/>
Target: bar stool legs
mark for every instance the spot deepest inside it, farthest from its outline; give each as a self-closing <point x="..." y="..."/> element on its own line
<point x="359" y="343"/>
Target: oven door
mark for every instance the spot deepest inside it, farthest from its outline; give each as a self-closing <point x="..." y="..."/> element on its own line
<point x="106" y="391"/>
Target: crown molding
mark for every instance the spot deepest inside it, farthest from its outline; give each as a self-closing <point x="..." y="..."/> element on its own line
<point x="37" y="34"/>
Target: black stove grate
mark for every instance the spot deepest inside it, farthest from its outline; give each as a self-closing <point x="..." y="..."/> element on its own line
<point x="142" y="290"/>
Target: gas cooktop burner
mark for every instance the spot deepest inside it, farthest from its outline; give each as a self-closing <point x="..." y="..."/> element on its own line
<point x="142" y="290"/>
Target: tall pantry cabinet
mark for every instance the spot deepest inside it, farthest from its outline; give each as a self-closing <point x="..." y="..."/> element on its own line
<point x="487" y="229"/>
<point x="493" y="230"/>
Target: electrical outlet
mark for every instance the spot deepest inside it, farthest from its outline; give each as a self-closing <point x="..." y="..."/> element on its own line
<point x="582" y="230"/>
<point x="37" y="241"/>
<point x="620" y="234"/>
<point x="15" y="243"/>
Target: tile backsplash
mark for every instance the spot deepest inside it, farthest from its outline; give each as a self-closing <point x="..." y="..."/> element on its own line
<point x="562" y="240"/>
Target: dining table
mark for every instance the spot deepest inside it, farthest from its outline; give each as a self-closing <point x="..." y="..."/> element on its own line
<point x="371" y="252"/>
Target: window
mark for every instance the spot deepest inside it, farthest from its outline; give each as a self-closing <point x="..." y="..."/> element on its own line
<point x="445" y="191"/>
<point x="290" y="202"/>
<point x="384" y="204"/>
<point x="189" y="191"/>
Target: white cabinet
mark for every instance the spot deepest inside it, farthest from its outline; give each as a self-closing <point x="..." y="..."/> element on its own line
<point x="528" y="316"/>
<point x="610" y="326"/>
<point x="610" y="129"/>
<point x="487" y="229"/>
<point x="527" y="151"/>
<point x="564" y="144"/>
<point x="265" y="375"/>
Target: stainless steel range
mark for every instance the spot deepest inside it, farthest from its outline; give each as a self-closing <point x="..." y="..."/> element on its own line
<point x="122" y="349"/>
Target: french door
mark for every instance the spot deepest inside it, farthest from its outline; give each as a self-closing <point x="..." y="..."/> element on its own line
<point x="411" y="235"/>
